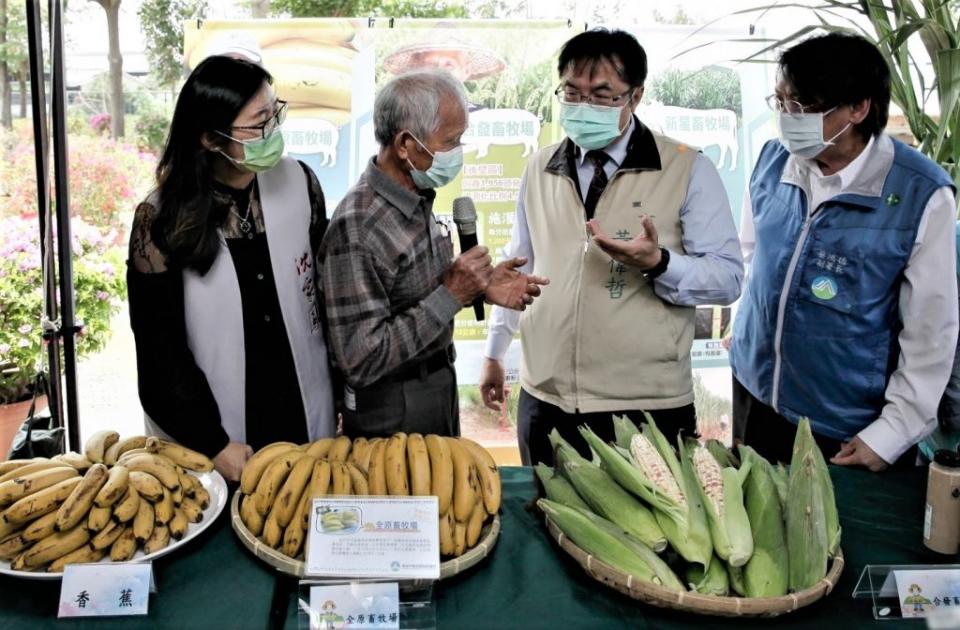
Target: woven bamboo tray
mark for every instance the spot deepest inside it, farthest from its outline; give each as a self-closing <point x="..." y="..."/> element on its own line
<point x="694" y="602"/>
<point x="294" y="567"/>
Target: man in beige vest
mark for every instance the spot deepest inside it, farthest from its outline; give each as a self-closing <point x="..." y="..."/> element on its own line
<point x="634" y="230"/>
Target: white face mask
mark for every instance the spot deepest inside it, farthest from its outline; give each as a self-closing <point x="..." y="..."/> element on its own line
<point x="802" y="134"/>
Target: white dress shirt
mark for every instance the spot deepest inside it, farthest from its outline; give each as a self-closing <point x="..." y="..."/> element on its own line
<point x="929" y="335"/>
<point x="710" y="272"/>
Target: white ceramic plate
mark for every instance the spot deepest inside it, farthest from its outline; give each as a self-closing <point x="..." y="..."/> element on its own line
<point x="214" y="484"/>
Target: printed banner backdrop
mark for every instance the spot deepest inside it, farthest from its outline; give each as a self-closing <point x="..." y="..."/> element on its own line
<point x="329" y="70"/>
<point x="718" y="108"/>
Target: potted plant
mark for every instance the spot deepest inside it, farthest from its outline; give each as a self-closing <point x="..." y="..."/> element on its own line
<point x="99" y="288"/>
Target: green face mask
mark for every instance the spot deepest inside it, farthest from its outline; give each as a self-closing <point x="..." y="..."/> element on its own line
<point x="259" y="155"/>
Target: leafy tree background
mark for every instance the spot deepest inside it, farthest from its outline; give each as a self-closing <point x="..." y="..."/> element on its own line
<point x="14" y="58"/>
<point x="162" y="24"/>
<point x="362" y="8"/>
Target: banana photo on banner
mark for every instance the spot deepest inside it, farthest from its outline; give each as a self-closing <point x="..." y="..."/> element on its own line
<point x="323" y="69"/>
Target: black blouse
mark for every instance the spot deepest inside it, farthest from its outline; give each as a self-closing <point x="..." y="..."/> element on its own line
<point x="173" y="389"/>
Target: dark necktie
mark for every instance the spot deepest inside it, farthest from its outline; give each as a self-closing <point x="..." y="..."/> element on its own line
<point x="598" y="183"/>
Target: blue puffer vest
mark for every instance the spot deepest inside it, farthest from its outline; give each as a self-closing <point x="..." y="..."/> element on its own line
<point x="817" y="329"/>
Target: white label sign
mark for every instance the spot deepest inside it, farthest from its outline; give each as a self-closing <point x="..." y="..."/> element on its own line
<point x="926" y="593"/>
<point x="105" y="589"/>
<point x="355" y="606"/>
<point x="394" y="538"/>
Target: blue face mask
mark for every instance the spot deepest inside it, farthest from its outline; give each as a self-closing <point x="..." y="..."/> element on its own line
<point x="590" y="126"/>
<point x="445" y="168"/>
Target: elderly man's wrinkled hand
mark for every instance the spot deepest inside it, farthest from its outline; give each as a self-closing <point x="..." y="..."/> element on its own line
<point x="512" y="289"/>
<point x="468" y="276"/>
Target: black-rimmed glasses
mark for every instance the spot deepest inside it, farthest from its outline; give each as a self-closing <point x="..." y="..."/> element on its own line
<point x="266" y="128"/>
<point x="571" y="96"/>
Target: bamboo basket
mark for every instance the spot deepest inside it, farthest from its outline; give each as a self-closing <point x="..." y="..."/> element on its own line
<point x="695" y="602"/>
<point x="295" y="567"/>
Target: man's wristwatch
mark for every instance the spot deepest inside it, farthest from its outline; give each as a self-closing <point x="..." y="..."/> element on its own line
<point x="661" y="266"/>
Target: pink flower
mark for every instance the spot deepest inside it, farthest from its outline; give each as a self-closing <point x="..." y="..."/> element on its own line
<point x="24" y="329"/>
<point x="4" y="348"/>
<point x="103" y="296"/>
<point x="23" y="343"/>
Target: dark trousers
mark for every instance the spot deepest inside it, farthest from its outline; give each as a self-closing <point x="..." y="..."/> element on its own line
<point x="422" y="404"/>
<point x="772" y="435"/>
<point x="536" y="419"/>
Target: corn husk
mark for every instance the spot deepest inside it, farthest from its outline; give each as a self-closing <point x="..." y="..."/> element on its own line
<point x="623" y="431"/>
<point x="807" y="537"/>
<point x="559" y="489"/>
<point x="829" y="499"/>
<point x="683" y="523"/>
<point x="713" y="581"/>
<point x="780" y="476"/>
<point x="664" y="573"/>
<point x="766" y="574"/>
<point x="563" y="452"/>
<point x="737" y="584"/>
<point x="729" y="524"/>
<point x="597" y="541"/>
<point x="722" y="454"/>
<point x="606" y="498"/>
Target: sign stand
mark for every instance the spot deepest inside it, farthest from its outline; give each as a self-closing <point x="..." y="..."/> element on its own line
<point x="366" y="603"/>
<point x="912" y="591"/>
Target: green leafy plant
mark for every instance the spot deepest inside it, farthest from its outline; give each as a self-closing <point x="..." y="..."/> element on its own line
<point x="150" y="131"/>
<point x="99" y="289"/>
<point x="711" y="408"/>
<point x="162" y="24"/>
<point x="893" y="25"/>
<point x="712" y="87"/>
<point x="363" y="8"/>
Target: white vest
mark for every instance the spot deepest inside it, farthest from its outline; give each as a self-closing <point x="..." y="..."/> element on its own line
<point x="214" y="312"/>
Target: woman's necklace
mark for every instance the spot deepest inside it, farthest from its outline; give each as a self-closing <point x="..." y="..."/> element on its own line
<point x="246" y="226"/>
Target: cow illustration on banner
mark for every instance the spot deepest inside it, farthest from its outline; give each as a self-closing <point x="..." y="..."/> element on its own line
<point x="699" y="128"/>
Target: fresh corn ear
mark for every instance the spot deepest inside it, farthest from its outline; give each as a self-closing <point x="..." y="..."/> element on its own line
<point x="563" y="452"/>
<point x="713" y="581"/>
<point x="655" y="468"/>
<point x="829" y="499"/>
<point x="559" y="489"/>
<point x="647" y="471"/>
<point x="598" y="541"/>
<point x="766" y="574"/>
<point x="720" y="489"/>
<point x="623" y="431"/>
<point x="664" y="574"/>
<point x="808" y="538"/>
<point x="722" y="454"/>
<point x="608" y="499"/>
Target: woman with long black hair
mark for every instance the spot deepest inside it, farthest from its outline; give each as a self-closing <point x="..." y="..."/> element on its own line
<point x="221" y="276"/>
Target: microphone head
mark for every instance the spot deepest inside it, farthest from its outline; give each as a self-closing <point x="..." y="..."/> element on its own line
<point x="465" y="214"/>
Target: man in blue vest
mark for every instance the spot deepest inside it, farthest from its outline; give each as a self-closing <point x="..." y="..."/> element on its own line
<point x="849" y="316"/>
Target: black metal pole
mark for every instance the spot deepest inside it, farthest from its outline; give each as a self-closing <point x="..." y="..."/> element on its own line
<point x="68" y="328"/>
<point x="41" y="144"/>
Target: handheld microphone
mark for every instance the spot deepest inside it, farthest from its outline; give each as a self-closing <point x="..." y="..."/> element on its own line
<point x="465" y="216"/>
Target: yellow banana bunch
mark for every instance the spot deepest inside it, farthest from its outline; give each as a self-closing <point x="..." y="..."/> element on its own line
<point x="98" y="444"/>
<point x="280" y="482"/>
<point x="118" y="495"/>
<point x="180" y="455"/>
